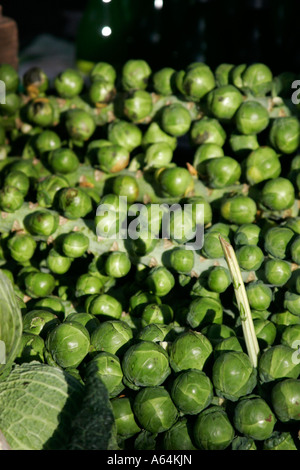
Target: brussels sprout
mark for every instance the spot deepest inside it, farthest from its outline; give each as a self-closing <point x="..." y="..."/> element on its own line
<point x="35" y="81"/>
<point x="213" y="430"/>
<point x="197" y="81"/>
<point x="212" y="247"/>
<point x="284" y="319"/>
<point x="26" y="166"/>
<point x="175" y="181"/>
<point x="207" y="130"/>
<point x="285" y="134"/>
<point x="126" y="186"/>
<point x="113" y="336"/>
<point x="243" y="443"/>
<point x="285" y="397"/>
<point x="192" y="391"/>
<point x="250" y="257"/>
<point x="265" y="332"/>
<point x="47" y="141"/>
<point x="21" y="247"/>
<point x="156" y="332"/>
<point x="39" y="284"/>
<point x="138" y="105"/>
<point x="57" y="263"/>
<point x="74" y="202"/>
<point x="291" y="336"/>
<point x="182" y="260"/>
<point x="241" y="144"/>
<point x="226" y="345"/>
<point x="154" y="134"/>
<point x="203" y="154"/>
<point x="31" y="348"/>
<point x="222" y="172"/>
<point x="47" y="189"/>
<point x="103" y="70"/>
<point x="145" y="364"/>
<point x="262" y="164"/>
<point x="257" y="78"/>
<point x="224" y="101"/>
<point x="80" y="125"/>
<point x="117" y="264"/>
<point x="110" y="372"/>
<point x="87" y="284"/>
<point x="154" y="409"/>
<point x="295" y="250"/>
<point x="278" y="194"/>
<point x="126" y="424"/>
<point x="101" y="91"/>
<point x="63" y="161"/>
<point x="182" y="226"/>
<point x="52" y="304"/>
<point x="233" y="375"/>
<point x="11" y="199"/>
<point x="10" y="77"/>
<point x="251" y="118"/>
<point x="68" y="344"/>
<point x="39" y="322"/>
<point x="160" y="281"/>
<point x="217" y="332"/>
<point x="190" y="350"/>
<point x="89" y="321"/>
<point x="259" y="295"/>
<point x="162" y="81"/>
<point x="277" y="241"/>
<point x="139" y="300"/>
<point x="280" y="441"/>
<point x="19" y="180"/>
<point x="75" y="244"/>
<point x="239" y="209"/>
<point x="179" y="436"/>
<point x="112" y="158"/>
<point x="292" y="302"/>
<point x="247" y="234"/>
<point x="40" y="112"/>
<point x="254" y="418"/>
<point x="203" y="311"/>
<point x="277" y="272"/>
<point x="105" y="307"/>
<point x="159" y="314"/>
<point x="135" y="75"/>
<point x="68" y="83"/>
<point x="222" y="73"/>
<point x="158" y="155"/>
<point x="42" y="222"/>
<point x="176" y="120"/>
<point x="278" y="362"/>
<point x="201" y="210"/>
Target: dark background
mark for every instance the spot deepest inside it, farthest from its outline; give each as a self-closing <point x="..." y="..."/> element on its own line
<point x="213" y="31"/>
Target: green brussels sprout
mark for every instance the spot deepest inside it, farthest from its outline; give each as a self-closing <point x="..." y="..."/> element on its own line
<point x="10" y="77"/>
<point x="154" y="409"/>
<point x="265" y="332"/>
<point x="156" y="332"/>
<point x="135" y="75"/>
<point x="47" y="189"/>
<point x="222" y="74"/>
<point x="158" y="155"/>
<point x="113" y="336"/>
<point x="126" y="186"/>
<point x="285" y="397"/>
<point x="74" y="202"/>
<point x="138" y="105"/>
<point x="235" y="75"/>
<point x="57" y="263"/>
<point x="292" y="302"/>
<point x="291" y="336"/>
<point x="203" y="311"/>
<point x="285" y="134"/>
<point x="117" y="264"/>
<point x="63" y="161"/>
<point x="190" y="350"/>
<point x="283" y="319"/>
<point x="238" y="209"/>
<point x="251" y="118"/>
<point x="213" y="430"/>
<point x="68" y="344"/>
<point x="241" y="144"/>
<point x="125" y="421"/>
<point x="163" y="81"/>
<point x="11" y="199"/>
<point x="198" y="80"/>
<point x="101" y="91"/>
<point x="19" y="180"/>
<point x="250" y="257"/>
<point x="112" y="158"/>
<point x="139" y="300"/>
<point x="217" y="332"/>
<point x="182" y="226"/>
<point x="159" y="314"/>
<point x="75" y="244"/>
<point x="68" y="83"/>
<point x="105" y="307"/>
<point x="31" y="348"/>
<point x="201" y="210"/>
<point x="52" y="304"/>
<point x="80" y="125"/>
<point x="247" y="234"/>
<point x="145" y="364"/>
<point x="295" y="250"/>
<point x="39" y="284"/>
<point x="277" y="241"/>
<point x="223" y="102"/>
<point x="154" y="134"/>
<point x="278" y="362"/>
<point x="21" y="247"/>
<point x="254" y="418"/>
<point x="258" y="78"/>
<point x="191" y="391"/>
<point x="39" y="322"/>
<point x="293" y="224"/>
<point x="35" y="81"/>
<point x="243" y="443"/>
<point x="42" y="222"/>
<point x="160" y="281"/>
<point x="174" y="181"/>
<point x="88" y="284"/>
<point x="181" y="260"/>
<point x="280" y="441"/>
<point x="26" y="166"/>
<point x="259" y="295"/>
<point x="203" y="154"/>
<point x="103" y="70"/>
<point x="262" y="164"/>
<point x="207" y="131"/>
<point x="109" y="370"/>
<point x="47" y="141"/>
<point x="278" y="194"/>
<point x="89" y="321"/>
<point x="40" y="112"/>
<point x="222" y="172"/>
<point x="176" y="120"/>
<point x="226" y="345"/>
<point x="233" y="375"/>
<point x="277" y="272"/>
<point x="178" y="437"/>
<point x="212" y="247"/>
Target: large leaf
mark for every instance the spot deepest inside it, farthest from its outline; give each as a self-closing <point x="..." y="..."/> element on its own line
<point x="10" y="323"/>
<point x="37" y="405"/>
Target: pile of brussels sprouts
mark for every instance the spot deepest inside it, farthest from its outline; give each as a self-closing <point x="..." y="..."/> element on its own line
<point x="161" y="322"/>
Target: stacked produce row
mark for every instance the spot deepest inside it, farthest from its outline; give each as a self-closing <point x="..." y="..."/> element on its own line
<point x="140" y="336"/>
